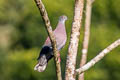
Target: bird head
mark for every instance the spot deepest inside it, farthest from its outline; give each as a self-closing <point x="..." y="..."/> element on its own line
<point x="62" y="18"/>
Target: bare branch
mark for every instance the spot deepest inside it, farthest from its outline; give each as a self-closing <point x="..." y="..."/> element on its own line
<point x="46" y="20"/>
<point x="86" y="37"/>
<point x="98" y="57"/>
<point x="73" y="46"/>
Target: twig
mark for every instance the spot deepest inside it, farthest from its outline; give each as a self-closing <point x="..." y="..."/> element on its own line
<point x="73" y="46"/>
<point x="46" y="20"/>
<point x="98" y="57"/>
<point x="86" y="36"/>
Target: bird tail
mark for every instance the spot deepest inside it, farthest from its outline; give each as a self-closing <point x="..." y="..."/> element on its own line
<point x="42" y="63"/>
<point x="45" y="55"/>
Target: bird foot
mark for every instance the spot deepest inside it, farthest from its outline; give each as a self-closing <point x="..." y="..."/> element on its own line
<point x="59" y="59"/>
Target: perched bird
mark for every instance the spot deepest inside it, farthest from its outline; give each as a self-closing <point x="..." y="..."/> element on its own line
<point x="46" y="52"/>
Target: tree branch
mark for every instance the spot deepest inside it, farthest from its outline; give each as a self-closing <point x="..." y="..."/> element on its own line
<point x="86" y="36"/>
<point x="73" y="46"/>
<point x="48" y="27"/>
<point x="98" y="57"/>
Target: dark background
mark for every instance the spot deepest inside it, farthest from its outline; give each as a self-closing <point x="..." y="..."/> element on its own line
<point x="22" y="34"/>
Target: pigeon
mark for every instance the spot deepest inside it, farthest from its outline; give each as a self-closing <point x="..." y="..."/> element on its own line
<point x="46" y="52"/>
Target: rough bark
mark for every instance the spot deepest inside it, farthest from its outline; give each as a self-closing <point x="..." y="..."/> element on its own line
<point x="86" y="36"/>
<point x="98" y="57"/>
<point x="48" y="27"/>
<point x="73" y="46"/>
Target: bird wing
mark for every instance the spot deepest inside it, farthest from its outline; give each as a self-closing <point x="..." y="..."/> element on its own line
<point x="47" y="42"/>
<point x="60" y="35"/>
<point x="60" y="39"/>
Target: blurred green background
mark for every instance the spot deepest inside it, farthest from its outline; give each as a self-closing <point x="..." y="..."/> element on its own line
<point x="22" y="33"/>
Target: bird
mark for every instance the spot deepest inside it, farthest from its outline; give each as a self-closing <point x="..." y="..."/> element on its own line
<point x="46" y="52"/>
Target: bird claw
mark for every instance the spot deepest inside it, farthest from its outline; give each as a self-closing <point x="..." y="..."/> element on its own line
<point x="59" y="59"/>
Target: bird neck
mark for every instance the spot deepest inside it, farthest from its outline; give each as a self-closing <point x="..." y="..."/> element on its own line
<point x="61" y="24"/>
<point x="62" y="21"/>
<point x="61" y="27"/>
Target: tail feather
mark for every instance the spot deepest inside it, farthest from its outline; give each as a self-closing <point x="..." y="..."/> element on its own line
<point x="40" y="68"/>
<point x="45" y="55"/>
